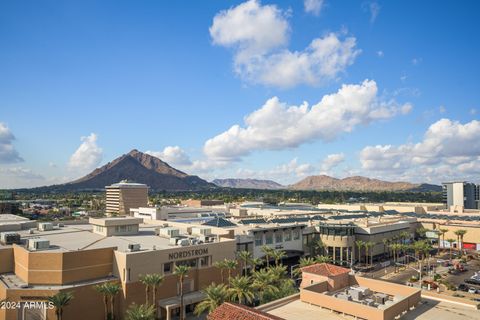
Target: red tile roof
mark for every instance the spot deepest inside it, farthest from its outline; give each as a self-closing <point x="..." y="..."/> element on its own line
<point x="325" y="269"/>
<point x="233" y="311"/>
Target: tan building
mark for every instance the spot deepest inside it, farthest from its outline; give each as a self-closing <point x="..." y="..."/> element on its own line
<point x="75" y="258"/>
<point x="123" y="196"/>
<point x="332" y="287"/>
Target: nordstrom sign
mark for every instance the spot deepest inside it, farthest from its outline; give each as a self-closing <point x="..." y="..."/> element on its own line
<point x="187" y="254"/>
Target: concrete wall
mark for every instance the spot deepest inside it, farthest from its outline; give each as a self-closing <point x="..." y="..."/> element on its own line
<point x="62" y="267"/>
<point x="6" y="259"/>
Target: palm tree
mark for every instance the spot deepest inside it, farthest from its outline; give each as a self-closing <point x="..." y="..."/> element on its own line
<point x="215" y="296"/>
<point x="240" y="289"/>
<point x="156" y="281"/>
<point x="146" y="280"/>
<point x="404" y="235"/>
<point x="320" y="246"/>
<point x="267" y="251"/>
<point x="222" y="266"/>
<point x="421" y="232"/>
<point x="451" y="241"/>
<point x="60" y="301"/>
<point x="256" y="262"/>
<point x="368" y="248"/>
<point x="112" y="289"/>
<point x="278" y="255"/>
<point x="460" y="233"/>
<point x="322" y="259"/>
<point x="360" y="244"/>
<point x="141" y="312"/>
<point x="230" y="265"/>
<point x="386" y="242"/>
<point x="303" y="262"/>
<point x="246" y="257"/>
<point x="263" y="282"/>
<point x="181" y="272"/>
<point x="100" y="288"/>
<point x="442" y="233"/>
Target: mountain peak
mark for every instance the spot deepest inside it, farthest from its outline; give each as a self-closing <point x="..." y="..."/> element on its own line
<point x="142" y="168"/>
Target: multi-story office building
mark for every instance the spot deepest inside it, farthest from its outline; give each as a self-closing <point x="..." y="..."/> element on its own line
<point x="461" y="195"/>
<point x="122" y="196"/>
<point x="76" y="258"/>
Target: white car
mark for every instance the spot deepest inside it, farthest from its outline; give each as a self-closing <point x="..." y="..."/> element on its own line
<point x="472" y="290"/>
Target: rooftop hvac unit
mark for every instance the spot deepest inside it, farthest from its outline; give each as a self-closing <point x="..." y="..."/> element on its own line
<point x="168" y="232"/>
<point x="201" y="231"/>
<point x="38" y="244"/>
<point x="45" y="226"/>
<point x="9" y="238"/>
<point x="183" y="242"/>
<point x="133" y="247"/>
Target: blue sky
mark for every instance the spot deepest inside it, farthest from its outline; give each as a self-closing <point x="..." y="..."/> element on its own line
<point x="172" y="78"/>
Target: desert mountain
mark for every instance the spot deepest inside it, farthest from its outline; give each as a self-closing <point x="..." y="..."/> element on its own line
<point x="247" y="183"/>
<point x="358" y="183"/>
<point x="142" y="168"/>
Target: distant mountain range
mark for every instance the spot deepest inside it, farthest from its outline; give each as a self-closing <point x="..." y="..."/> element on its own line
<point x="248" y="184"/>
<point x="358" y="183"/>
<point x="140" y="167"/>
<point x="137" y="167"/>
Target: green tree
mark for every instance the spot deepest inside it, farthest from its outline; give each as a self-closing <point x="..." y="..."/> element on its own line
<point x="442" y="233"/>
<point x="112" y="289"/>
<point x="246" y="257"/>
<point x="181" y="272"/>
<point x="240" y="289"/>
<point x="460" y="234"/>
<point x="222" y="266"/>
<point x="100" y="288"/>
<point x="231" y="265"/>
<point x="320" y="247"/>
<point x="369" y="251"/>
<point x="267" y="251"/>
<point x="146" y="280"/>
<point x="140" y="312"/>
<point x="322" y="259"/>
<point x="60" y="301"/>
<point x="278" y="255"/>
<point x="215" y="296"/>
<point x="360" y="244"/>
<point x="451" y="241"/>
<point x="263" y="282"/>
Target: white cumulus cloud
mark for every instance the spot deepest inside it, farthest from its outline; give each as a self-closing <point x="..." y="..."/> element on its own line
<point x="277" y="126"/>
<point x="313" y="6"/>
<point x="88" y="155"/>
<point x="173" y="155"/>
<point x="331" y="161"/>
<point x="449" y="149"/>
<point x="8" y="153"/>
<point x="258" y="35"/>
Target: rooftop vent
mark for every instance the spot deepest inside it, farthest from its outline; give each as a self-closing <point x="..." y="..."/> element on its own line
<point x="132" y="247"/>
<point x="38" y="244"/>
<point x="9" y="238"/>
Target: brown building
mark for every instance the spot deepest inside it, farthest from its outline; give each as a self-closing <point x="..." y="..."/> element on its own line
<point x="123" y="196"/>
<point x="75" y="258"/>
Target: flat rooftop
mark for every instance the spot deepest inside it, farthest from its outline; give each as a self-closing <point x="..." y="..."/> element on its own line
<point x="427" y="310"/>
<point x="81" y="236"/>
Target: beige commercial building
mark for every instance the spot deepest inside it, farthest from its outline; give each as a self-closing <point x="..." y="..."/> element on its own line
<point x="75" y="258"/>
<point x="123" y="196"/>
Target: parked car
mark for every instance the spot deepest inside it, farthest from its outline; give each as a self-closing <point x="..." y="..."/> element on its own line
<point x="463" y="287"/>
<point x="472" y="281"/>
<point x="472" y="290"/>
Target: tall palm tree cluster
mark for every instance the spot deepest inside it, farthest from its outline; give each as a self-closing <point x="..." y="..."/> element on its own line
<point x="266" y="284"/>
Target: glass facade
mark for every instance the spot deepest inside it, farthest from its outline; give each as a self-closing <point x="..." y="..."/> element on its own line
<point x="337" y="229"/>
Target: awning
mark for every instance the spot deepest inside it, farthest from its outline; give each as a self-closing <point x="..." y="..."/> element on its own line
<point x="188" y="298"/>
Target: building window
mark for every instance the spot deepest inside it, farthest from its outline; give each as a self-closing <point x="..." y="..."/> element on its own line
<point x="258" y="239"/>
<point x="167" y="268"/>
<point x="268" y="238"/>
<point x="192" y="263"/>
<point x="278" y="236"/>
<point x="296" y="234"/>
<point x="204" y="262"/>
<point x="287" y="235"/>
